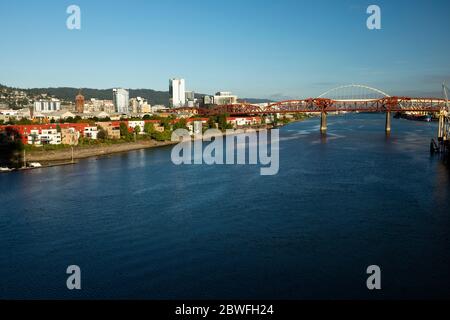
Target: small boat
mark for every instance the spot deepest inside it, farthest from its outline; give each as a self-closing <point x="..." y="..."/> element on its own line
<point x="5" y="169"/>
<point x="35" y="165"/>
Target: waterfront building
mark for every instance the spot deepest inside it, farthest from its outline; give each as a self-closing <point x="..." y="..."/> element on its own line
<point x="47" y="133"/>
<point x="70" y="136"/>
<point x="45" y="106"/>
<point x="90" y="132"/>
<point x="225" y="98"/>
<point x="156" y="125"/>
<point x="40" y="137"/>
<point x="177" y="91"/>
<point x="112" y="129"/>
<point x="243" y="121"/>
<point x="133" y="124"/>
<point x="121" y="100"/>
<point x="79" y="103"/>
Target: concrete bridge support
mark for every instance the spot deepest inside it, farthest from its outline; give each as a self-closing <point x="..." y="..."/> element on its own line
<point x="323" y="122"/>
<point x="441" y="127"/>
<point x="388" y="122"/>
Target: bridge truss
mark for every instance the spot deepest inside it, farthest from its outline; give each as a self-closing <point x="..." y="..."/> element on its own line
<point x="319" y="105"/>
<point x="343" y="99"/>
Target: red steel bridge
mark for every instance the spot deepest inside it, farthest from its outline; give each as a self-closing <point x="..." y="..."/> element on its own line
<point x="349" y="98"/>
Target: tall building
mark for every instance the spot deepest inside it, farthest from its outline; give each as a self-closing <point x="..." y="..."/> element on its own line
<point x="47" y="105"/>
<point x="177" y="91"/>
<point x="121" y="100"/>
<point x="79" y="103"/>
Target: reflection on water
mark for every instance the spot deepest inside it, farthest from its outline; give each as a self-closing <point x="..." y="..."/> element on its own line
<point x="141" y="227"/>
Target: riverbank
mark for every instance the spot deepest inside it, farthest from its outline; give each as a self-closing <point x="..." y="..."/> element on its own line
<point x="49" y="157"/>
<point x="65" y="156"/>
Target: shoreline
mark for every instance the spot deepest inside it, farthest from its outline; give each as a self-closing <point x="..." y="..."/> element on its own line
<point x="52" y="157"/>
<point x="60" y="157"/>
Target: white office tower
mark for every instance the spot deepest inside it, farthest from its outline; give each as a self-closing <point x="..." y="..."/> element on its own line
<point x="50" y="105"/>
<point x="177" y="91"/>
<point x="121" y="100"/>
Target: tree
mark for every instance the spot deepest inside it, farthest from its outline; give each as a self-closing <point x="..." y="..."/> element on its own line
<point x="211" y="122"/>
<point x="180" y="124"/>
<point x="166" y="135"/>
<point x="165" y="122"/>
<point x="124" y="133"/>
<point x="285" y="120"/>
<point x="137" y="130"/>
<point x="102" y="134"/>
<point x="34" y="138"/>
<point x="223" y="124"/>
<point x="149" y="128"/>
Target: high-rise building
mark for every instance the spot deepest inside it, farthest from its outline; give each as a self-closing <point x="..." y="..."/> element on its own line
<point x="177" y="91"/>
<point x="49" y="105"/>
<point x="121" y="100"/>
<point x="79" y="103"/>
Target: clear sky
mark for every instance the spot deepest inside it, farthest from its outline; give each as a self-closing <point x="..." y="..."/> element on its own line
<point x="256" y="48"/>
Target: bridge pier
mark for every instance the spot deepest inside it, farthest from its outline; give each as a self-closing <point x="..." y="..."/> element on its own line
<point x="323" y="122"/>
<point x="388" y="122"/>
<point x="441" y="127"/>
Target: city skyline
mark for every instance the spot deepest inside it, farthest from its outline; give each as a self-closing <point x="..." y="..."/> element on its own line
<point x="270" y="50"/>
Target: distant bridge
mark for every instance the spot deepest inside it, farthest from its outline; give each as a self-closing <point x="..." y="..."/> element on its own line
<point x="349" y="98"/>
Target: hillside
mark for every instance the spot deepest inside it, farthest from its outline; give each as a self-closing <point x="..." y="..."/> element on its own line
<point x="68" y="94"/>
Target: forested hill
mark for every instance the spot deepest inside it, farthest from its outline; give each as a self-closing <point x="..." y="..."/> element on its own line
<point x="68" y="94"/>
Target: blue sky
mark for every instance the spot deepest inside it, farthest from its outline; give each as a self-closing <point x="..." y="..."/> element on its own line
<point x="255" y="48"/>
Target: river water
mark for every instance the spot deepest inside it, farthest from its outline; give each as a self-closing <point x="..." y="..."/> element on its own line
<point x="140" y="227"/>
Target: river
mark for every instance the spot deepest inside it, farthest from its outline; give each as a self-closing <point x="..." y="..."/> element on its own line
<point x="140" y="227"/>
